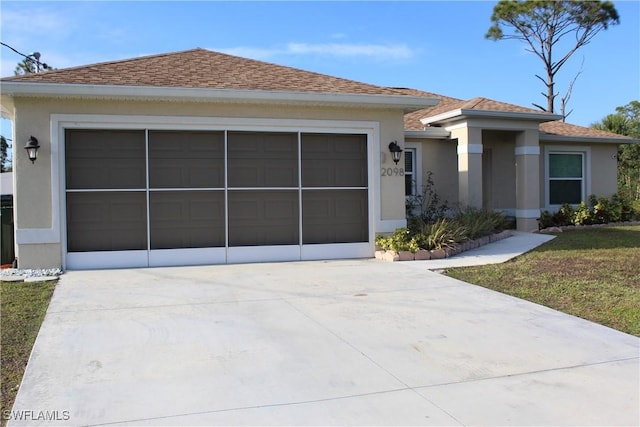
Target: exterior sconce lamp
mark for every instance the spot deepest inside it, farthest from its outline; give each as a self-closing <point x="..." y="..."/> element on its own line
<point x="32" y="148"/>
<point x="395" y="150"/>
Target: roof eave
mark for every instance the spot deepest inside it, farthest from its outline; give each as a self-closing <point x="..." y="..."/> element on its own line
<point x="462" y="113"/>
<point x="431" y="133"/>
<point x="404" y="102"/>
<point x="549" y="137"/>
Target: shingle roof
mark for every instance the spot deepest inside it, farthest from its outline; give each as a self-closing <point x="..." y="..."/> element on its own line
<point x="554" y="128"/>
<point x="412" y="120"/>
<point x="201" y="68"/>
<point x="567" y="129"/>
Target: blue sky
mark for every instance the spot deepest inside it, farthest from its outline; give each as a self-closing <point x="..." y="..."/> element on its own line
<point x="435" y="46"/>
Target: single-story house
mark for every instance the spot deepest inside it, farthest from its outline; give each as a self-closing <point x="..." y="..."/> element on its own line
<point x="199" y="157"/>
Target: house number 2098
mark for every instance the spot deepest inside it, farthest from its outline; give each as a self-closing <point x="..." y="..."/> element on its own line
<point x="392" y="172"/>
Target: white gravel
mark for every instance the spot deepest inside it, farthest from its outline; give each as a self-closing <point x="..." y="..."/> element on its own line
<point x="30" y="272"/>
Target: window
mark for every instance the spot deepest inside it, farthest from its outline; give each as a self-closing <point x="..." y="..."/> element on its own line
<point x="410" y="181"/>
<point x="566" y="177"/>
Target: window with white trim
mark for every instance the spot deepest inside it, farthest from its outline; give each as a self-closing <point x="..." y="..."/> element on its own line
<point x="566" y="177"/>
<point x="410" y="176"/>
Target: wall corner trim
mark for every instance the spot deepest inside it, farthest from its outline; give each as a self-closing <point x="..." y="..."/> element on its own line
<point x="470" y="149"/>
<point x="32" y="236"/>
<point x="528" y="150"/>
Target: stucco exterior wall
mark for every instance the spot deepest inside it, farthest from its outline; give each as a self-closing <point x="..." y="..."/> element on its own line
<point x="439" y="156"/>
<point x="604" y="170"/>
<point x="34" y="181"/>
<point x="500" y="146"/>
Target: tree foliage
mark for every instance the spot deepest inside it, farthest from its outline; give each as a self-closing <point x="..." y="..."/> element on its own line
<point x="30" y="65"/>
<point x="5" y="163"/>
<point x="626" y="121"/>
<point x="542" y="24"/>
<point x="26" y="66"/>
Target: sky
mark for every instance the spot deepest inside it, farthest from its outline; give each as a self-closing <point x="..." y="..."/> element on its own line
<point x="436" y="46"/>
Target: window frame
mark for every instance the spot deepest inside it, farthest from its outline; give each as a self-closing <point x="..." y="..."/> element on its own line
<point x="585" y="188"/>
<point x="416" y="149"/>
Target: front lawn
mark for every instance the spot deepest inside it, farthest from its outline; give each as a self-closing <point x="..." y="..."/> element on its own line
<point x="592" y="273"/>
<point x="22" y="310"/>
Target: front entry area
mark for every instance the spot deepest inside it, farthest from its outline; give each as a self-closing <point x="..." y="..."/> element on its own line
<point x="157" y="197"/>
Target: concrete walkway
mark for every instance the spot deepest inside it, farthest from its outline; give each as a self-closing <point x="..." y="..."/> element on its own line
<point x="354" y="342"/>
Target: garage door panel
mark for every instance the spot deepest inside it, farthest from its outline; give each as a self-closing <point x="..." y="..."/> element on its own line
<point x="262" y="159"/>
<point x="253" y="173"/>
<point x="99" y="159"/>
<point x="334" y="160"/>
<point x="263" y="218"/>
<point x="335" y="216"/>
<point x="106" y="221"/>
<point x="186" y="159"/>
<point x="187" y="219"/>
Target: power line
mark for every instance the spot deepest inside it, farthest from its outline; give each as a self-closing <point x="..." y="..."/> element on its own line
<point x="34" y="57"/>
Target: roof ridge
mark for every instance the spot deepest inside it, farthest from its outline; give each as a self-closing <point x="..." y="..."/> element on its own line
<point x="473" y="102"/>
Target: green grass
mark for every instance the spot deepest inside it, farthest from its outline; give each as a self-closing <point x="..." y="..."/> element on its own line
<point x="592" y="273"/>
<point x="22" y="310"/>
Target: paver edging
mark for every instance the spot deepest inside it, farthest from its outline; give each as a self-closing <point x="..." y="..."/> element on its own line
<point x="425" y="255"/>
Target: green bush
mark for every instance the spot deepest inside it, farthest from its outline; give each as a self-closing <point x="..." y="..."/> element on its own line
<point x="480" y="222"/>
<point x="546" y="220"/>
<point x="440" y="233"/>
<point x="427" y="206"/>
<point x="599" y="210"/>
<point x="401" y="240"/>
<point x="583" y="215"/>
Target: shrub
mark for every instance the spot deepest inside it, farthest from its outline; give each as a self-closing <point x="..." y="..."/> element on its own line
<point x="480" y="222"/>
<point x="582" y="215"/>
<point x="599" y="210"/>
<point x="426" y="206"/>
<point x="442" y="233"/>
<point x="400" y="240"/>
<point x="546" y="220"/>
<point x="565" y="215"/>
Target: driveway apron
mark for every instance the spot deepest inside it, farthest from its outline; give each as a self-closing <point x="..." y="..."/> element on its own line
<point x="349" y="342"/>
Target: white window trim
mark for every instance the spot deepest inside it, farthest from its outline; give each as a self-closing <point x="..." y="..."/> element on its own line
<point x="586" y="170"/>
<point x="417" y="164"/>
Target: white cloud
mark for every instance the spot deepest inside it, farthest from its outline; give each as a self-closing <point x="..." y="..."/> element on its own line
<point x="250" y="52"/>
<point x="375" y="51"/>
<point x="342" y="50"/>
<point x="34" y="21"/>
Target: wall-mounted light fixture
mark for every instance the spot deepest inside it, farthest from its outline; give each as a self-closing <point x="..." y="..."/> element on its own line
<point x="395" y="150"/>
<point x="32" y="148"/>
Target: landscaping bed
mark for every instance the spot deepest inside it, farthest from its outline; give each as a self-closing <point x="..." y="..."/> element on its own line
<point x="445" y="252"/>
<point x="440" y="236"/>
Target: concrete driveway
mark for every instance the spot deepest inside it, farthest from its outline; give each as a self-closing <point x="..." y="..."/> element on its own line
<point x="317" y="343"/>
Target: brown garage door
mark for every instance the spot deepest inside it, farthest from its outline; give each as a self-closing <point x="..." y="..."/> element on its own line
<point x="157" y="190"/>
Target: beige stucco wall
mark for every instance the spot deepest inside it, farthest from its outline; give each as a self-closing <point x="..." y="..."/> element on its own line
<point x="439" y="156"/>
<point x="33" y="117"/>
<point x="604" y="170"/>
<point x="500" y="146"/>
